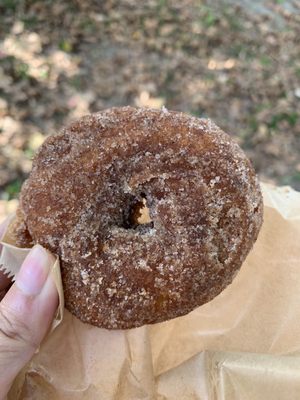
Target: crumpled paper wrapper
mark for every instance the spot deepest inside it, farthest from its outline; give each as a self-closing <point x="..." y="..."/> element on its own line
<point x="244" y="344"/>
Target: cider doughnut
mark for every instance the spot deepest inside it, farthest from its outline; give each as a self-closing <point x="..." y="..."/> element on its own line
<point x="84" y="198"/>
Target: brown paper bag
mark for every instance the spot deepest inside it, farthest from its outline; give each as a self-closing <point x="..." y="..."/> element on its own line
<point x="232" y="376"/>
<point x="258" y="313"/>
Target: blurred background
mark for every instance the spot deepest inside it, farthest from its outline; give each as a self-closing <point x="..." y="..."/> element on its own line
<point x="235" y="61"/>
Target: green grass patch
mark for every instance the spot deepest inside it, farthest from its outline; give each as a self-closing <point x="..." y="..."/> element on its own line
<point x="290" y="179"/>
<point x="266" y="61"/>
<point x="30" y="21"/>
<point x="21" y="70"/>
<point x="253" y="124"/>
<point x="291" y="118"/>
<point x="87" y="25"/>
<point x="209" y="18"/>
<point x="65" y="46"/>
<point x="8" y="5"/>
<point x="76" y="82"/>
<point x="297" y="71"/>
<point x="13" y="189"/>
<point x="29" y="153"/>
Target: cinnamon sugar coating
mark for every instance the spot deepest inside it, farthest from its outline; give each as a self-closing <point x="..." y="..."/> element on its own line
<point x="204" y="203"/>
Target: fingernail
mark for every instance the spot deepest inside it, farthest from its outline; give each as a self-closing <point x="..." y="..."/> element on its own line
<point x="34" y="271"/>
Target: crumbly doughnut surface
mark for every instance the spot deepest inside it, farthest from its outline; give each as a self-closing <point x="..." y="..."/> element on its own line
<point x="82" y="199"/>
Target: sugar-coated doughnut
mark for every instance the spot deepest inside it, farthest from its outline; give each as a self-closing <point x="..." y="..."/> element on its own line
<point x="90" y="183"/>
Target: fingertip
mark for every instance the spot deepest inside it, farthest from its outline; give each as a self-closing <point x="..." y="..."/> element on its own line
<point x="34" y="271"/>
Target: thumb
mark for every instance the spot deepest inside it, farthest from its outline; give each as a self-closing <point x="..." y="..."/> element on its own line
<point x="26" y="313"/>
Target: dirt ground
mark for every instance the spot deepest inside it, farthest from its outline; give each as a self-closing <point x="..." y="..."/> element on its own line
<point x="228" y="61"/>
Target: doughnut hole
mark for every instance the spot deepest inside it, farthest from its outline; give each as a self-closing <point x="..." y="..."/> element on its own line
<point x="137" y="213"/>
